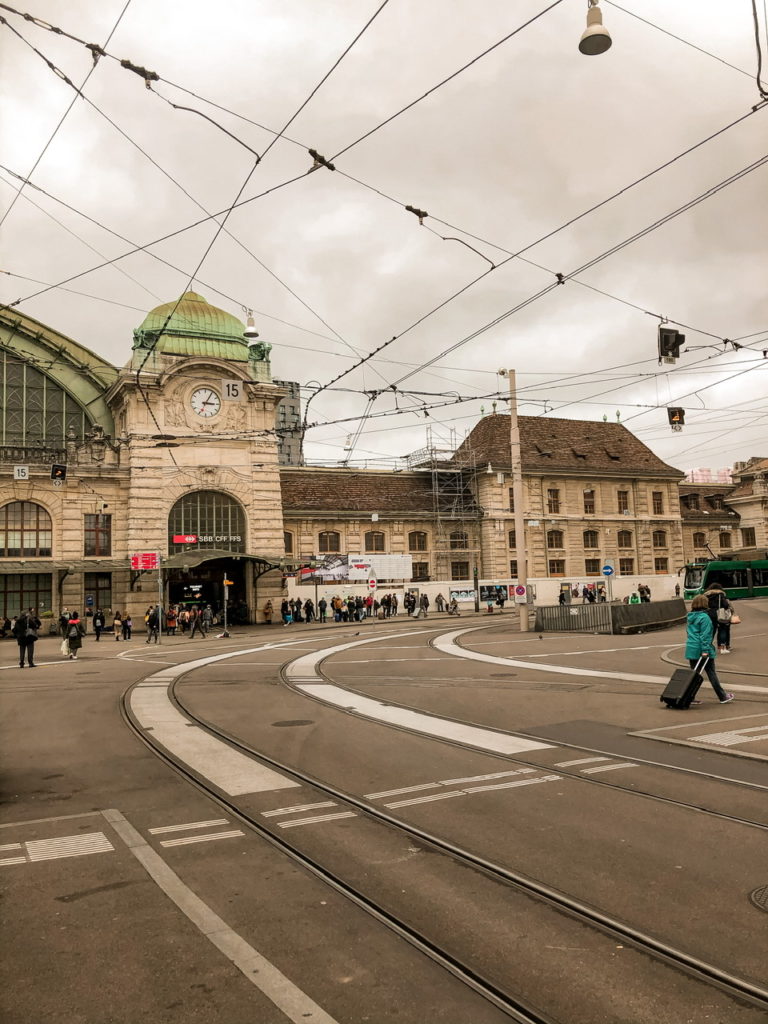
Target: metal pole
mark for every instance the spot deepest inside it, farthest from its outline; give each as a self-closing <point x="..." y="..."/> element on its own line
<point x="518" y="494"/>
<point x="226" y="599"/>
<point x="159" y="599"/>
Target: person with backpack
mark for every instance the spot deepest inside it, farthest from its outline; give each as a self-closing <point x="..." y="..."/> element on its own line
<point x="99" y="622"/>
<point x="25" y="630"/>
<point x="721" y="613"/>
<point x="75" y="634"/>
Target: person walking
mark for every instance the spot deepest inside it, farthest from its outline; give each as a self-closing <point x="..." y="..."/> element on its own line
<point x="25" y="629"/>
<point x="309" y="610"/>
<point x="322" y="609"/>
<point x="561" y="598"/>
<point x="207" y="618"/>
<point x="98" y="623"/>
<point x="75" y="634"/>
<point x="117" y="625"/>
<point x="698" y="642"/>
<point x="677" y="590"/>
<point x="64" y="622"/>
<point x="268" y="612"/>
<point x="127" y="627"/>
<point x="424" y="604"/>
<point x="721" y="613"/>
<point x="195" y="624"/>
<point x="153" y="624"/>
<point x="170" y="622"/>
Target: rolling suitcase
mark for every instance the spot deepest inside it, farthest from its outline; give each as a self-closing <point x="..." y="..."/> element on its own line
<point x="684" y="685"/>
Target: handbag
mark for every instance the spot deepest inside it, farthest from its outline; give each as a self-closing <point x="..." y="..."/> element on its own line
<point x="64" y="648"/>
<point x="735" y="620"/>
<point x="30" y="634"/>
<point x="724" y="615"/>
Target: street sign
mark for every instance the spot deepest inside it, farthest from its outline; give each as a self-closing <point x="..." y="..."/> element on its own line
<point x="228" y="583"/>
<point x="607" y="570"/>
<point x="520" y="594"/>
<point x="145" y="560"/>
<point x="21" y="472"/>
<point x="371" y="584"/>
<point x="89" y="601"/>
<point x="520" y="590"/>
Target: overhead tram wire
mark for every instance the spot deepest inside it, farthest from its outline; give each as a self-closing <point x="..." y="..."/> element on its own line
<point x="66" y="112"/>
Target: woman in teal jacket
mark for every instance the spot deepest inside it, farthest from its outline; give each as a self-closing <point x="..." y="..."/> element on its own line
<point x="698" y="641"/>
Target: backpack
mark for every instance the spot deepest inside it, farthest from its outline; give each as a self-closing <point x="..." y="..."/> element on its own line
<point x="73" y="631"/>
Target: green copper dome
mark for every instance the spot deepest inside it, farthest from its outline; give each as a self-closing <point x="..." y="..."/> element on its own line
<point x="194" y="328"/>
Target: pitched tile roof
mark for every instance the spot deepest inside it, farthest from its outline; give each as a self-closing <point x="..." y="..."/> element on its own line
<point x="561" y="445"/>
<point x="340" y="491"/>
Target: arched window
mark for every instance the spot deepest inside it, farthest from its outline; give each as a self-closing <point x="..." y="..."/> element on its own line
<point x="591" y="539"/>
<point x="624" y="538"/>
<point x="34" y="408"/>
<point x="659" y="538"/>
<point x="699" y="540"/>
<point x="206" y="519"/>
<point x="288" y="542"/>
<point x="458" y="539"/>
<point x="417" y="541"/>
<point x="725" y="540"/>
<point x="512" y="539"/>
<point x="554" y="538"/>
<point x="329" y="541"/>
<point x="25" y="530"/>
<point x="374" y="540"/>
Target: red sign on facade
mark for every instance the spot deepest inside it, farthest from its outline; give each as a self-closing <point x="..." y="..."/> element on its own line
<point x="145" y="560"/>
<point x="185" y="538"/>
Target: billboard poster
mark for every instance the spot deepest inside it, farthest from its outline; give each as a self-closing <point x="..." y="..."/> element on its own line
<point x="382" y="567"/>
<point x="330" y="567"/>
<point x="462" y="596"/>
<point x="491" y="591"/>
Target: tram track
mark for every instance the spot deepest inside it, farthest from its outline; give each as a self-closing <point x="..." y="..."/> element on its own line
<point x="737" y="988"/>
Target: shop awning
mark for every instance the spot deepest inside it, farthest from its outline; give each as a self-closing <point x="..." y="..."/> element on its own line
<point x="25" y="566"/>
<point x="197" y="556"/>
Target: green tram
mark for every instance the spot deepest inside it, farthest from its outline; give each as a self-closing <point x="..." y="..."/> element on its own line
<point x="738" y="579"/>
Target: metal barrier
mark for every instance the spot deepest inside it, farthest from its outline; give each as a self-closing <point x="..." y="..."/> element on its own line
<point x="573" y="618"/>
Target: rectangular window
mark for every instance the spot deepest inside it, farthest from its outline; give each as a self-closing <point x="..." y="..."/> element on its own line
<point x="661" y="565"/>
<point x="592" y="566"/>
<point x="557" y="567"/>
<point x="98" y="535"/>
<point x="513" y="568"/>
<point x="748" y="539"/>
<point x="511" y="500"/>
<point x="658" y="503"/>
<point x="459" y="570"/>
<point x="626" y="566"/>
<point x="21" y="591"/>
<point x="725" y="540"/>
<point x="98" y="587"/>
<point x="622" y="497"/>
<point x="692" y="501"/>
<point x="553" y="501"/>
<point x="589" y="503"/>
<point x="420" y="571"/>
<point x="512" y="539"/>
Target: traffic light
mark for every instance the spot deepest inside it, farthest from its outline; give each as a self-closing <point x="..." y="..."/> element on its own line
<point x="676" y="417"/>
<point x="670" y="343"/>
<point x="58" y="471"/>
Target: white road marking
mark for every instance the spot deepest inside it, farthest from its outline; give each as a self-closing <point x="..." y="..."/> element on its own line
<point x="10" y="846"/>
<point x="472" y="789"/>
<point x="303" y="674"/>
<point x="687" y="725"/>
<point x="608" y="768"/>
<point x="297" y="808"/>
<point x="405" y="789"/>
<point x="447" y="643"/>
<point x="182" y="828"/>
<point x="450" y="782"/>
<point x="186" y="840"/>
<point x="734" y="737"/>
<point x="7" y="861"/>
<point x="295" y="1004"/>
<point x="580" y="760"/>
<point x="318" y="817"/>
<point x="68" y="846"/>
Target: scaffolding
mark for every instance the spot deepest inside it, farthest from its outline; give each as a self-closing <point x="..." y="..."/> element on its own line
<point x="454" y="507"/>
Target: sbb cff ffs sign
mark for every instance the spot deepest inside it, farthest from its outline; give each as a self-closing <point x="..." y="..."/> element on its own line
<point x="185" y="538"/>
<point x="145" y="560"/>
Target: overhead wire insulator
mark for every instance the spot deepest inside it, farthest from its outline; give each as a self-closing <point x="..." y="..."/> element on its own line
<point x="421" y="214"/>
<point x="148" y="76"/>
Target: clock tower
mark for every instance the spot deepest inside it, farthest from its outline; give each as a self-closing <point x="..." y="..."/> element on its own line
<point x="196" y="407"/>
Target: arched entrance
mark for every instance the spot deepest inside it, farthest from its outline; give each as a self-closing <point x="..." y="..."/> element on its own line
<point x="206" y="545"/>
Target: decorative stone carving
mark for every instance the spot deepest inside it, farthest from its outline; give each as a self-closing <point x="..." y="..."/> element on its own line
<point x="237" y="417"/>
<point x="175" y="415"/>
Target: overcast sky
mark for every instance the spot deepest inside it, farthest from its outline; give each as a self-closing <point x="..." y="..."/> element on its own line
<point x="524" y="140"/>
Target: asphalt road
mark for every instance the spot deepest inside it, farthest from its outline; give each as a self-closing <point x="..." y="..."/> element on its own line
<point x="153" y="871"/>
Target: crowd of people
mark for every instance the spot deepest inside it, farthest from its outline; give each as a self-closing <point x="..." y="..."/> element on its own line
<point x="356" y="608"/>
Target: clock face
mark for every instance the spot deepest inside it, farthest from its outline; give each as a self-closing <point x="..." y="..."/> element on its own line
<point x="205" y="402"/>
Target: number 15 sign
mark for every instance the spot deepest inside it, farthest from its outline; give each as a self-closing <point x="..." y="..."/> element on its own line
<point x="232" y="390"/>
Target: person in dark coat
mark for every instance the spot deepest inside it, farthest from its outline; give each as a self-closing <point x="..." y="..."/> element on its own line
<point x="99" y="622"/>
<point x="720" y="611"/>
<point x="75" y="634"/>
<point x="25" y="630"/>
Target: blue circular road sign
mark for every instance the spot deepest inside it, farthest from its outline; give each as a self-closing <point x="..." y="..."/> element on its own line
<point x="607" y="570"/>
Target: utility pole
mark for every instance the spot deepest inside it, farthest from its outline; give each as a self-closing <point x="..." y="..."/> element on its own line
<point x="159" y="597"/>
<point x="518" y="495"/>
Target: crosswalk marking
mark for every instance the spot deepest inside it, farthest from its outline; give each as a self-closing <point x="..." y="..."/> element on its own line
<point x="68" y="846"/>
<point x="182" y="828"/>
<point x="297" y="808"/>
<point x="472" y="789"/>
<point x="10" y="846"/>
<point x="580" y="760"/>
<point x="12" y="860"/>
<point x="608" y="768"/>
<point x="317" y="817"/>
<point x="186" y="840"/>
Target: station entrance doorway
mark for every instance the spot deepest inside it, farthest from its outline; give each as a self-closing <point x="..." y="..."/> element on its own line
<point x="201" y="585"/>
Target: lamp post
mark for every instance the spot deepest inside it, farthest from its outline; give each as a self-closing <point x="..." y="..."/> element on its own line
<point x="517" y="492"/>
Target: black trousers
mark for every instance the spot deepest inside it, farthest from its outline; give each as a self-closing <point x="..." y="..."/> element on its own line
<point x="28" y="646"/>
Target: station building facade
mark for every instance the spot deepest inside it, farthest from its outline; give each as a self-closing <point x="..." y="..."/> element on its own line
<point x="179" y="452"/>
